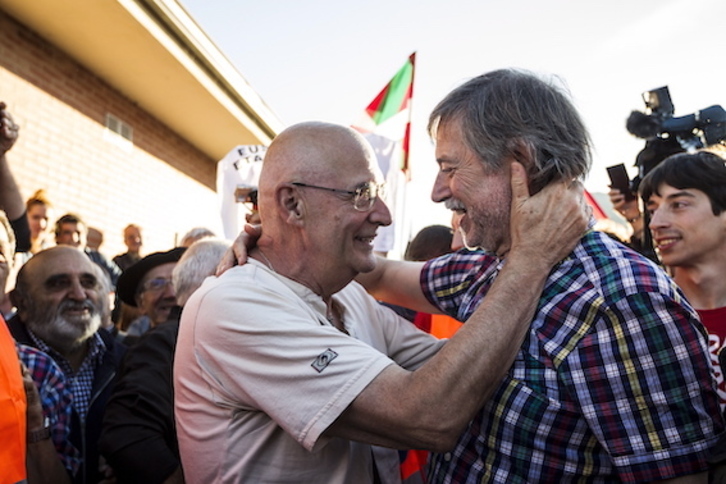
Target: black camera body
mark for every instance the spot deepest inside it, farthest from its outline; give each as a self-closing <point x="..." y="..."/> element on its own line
<point x="666" y="134"/>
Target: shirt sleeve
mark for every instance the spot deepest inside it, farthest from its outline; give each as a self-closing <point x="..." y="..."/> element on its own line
<point x="265" y="350"/>
<point x="56" y="399"/>
<point x="448" y="281"/>
<point x="22" y="233"/>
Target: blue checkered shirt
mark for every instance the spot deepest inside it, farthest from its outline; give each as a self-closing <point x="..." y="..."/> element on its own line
<point x="613" y="382"/>
<point x="81" y="382"/>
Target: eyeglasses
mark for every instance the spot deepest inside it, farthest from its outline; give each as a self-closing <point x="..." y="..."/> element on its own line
<point x="156" y="284"/>
<point x="363" y="197"/>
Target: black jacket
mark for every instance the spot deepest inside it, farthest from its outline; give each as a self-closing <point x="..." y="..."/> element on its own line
<point x="85" y="438"/>
<point x="139" y="420"/>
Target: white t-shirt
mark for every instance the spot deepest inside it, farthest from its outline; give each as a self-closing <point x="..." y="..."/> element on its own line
<point x="260" y="374"/>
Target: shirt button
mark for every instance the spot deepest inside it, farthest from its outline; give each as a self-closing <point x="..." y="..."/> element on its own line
<point x="447" y="456"/>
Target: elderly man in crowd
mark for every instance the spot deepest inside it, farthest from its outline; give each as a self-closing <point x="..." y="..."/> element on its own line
<point x="139" y="420"/>
<point x="147" y="286"/>
<point x="285" y="371"/>
<point x="613" y="381"/>
<point x="61" y="296"/>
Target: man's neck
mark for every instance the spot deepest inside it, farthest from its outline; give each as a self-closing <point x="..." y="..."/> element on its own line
<point x="300" y="270"/>
<point x="76" y="355"/>
<point x="703" y="285"/>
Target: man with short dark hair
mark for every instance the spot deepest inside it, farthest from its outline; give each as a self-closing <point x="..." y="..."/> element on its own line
<point x="71" y="230"/>
<point x="686" y="198"/>
<point x="62" y="300"/>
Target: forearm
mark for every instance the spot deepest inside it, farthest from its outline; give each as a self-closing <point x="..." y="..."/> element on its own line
<point x="414" y="409"/>
<point x="44" y="465"/>
<point x="11" y="201"/>
<point x="397" y="282"/>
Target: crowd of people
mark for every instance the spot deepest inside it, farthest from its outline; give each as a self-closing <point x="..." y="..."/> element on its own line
<point x="284" y="357"/>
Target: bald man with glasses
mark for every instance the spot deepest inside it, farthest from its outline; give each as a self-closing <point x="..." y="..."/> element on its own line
<point x="287" y="371"/>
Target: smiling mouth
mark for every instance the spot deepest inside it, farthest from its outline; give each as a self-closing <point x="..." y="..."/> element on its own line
<point x="666" y="243"/>
<point x="455" y="206"/>
<point x="366" y="240"/>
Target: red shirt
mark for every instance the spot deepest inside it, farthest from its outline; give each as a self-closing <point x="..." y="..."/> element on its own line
<point x="715" y="322"/>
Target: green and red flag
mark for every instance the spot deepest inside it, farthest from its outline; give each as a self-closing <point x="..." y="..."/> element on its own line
<point x="389" y="114"/>
<point x="395" y="97"/>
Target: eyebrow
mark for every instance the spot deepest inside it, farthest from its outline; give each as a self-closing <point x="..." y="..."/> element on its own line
<point x="680" y="193"/>
<point x="58" y="277"/>
<point x="671" y="196"/>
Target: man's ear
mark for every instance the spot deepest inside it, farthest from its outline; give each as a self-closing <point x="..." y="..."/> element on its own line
<point x="290" y="204"/>
<point x="523" y="153"/>
<point x="17" y="299"/>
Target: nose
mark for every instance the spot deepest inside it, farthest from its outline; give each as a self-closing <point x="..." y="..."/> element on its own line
<point x="76" y="291"/>
<point x="380" y="213"/>
<point x="440" y="192"/>
<point x="168" y="292"/>
<point x="658" y="220"/>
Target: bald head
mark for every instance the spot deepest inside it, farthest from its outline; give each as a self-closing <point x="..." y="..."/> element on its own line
<point x="313" y="145"/>
<point x="59" y="295"/>
<point x="312" y="151"/>
<point x="317" y="230"/>
<point x="52" y="259"/>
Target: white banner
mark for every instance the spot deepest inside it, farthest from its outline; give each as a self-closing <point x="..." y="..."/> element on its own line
<point x="240" y="167"/>
<point x="388" y="152"/>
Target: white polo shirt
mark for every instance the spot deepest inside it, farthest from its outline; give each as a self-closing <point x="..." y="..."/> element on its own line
<point x="260" y="374"/>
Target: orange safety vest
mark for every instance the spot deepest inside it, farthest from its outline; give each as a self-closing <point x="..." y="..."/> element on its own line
<point x="12" y="411"/>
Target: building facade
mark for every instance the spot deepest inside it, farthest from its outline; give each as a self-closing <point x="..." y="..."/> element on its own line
<point x="125" y="109"/>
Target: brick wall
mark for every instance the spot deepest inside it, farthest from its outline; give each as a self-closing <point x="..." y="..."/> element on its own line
<point x="161" y="183"/>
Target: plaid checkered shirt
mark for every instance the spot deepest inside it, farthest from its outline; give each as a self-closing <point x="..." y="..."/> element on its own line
<point x="55" y="399"/>
<point x="81" y="382"/>
<point x="612" y="383"/>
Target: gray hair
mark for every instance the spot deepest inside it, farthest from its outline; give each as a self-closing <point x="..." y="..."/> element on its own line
<point x="198" y="262"/>
<point x="508" y="110"/>
<point x="197" y="233"/>
<point x="105" y="289"/>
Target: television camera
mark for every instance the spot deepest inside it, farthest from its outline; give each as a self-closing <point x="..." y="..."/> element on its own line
<point x="666" y="134"/>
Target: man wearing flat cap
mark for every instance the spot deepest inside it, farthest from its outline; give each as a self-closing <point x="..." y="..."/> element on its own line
<point x="147" y="285"/>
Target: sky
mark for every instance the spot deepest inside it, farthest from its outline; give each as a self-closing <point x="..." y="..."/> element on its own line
<point x="327" y="59"/>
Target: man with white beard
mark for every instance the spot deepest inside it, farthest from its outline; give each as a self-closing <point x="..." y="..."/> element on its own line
<point x="62" y="299"/>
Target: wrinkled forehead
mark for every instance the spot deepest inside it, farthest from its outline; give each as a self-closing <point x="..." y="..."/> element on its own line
<point x="60" y="260"/>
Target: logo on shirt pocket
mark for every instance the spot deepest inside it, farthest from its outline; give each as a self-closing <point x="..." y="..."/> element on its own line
<point x="323" y="360"/>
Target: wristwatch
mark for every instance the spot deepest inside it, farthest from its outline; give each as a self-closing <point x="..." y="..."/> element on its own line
<point x="39" y="434"/>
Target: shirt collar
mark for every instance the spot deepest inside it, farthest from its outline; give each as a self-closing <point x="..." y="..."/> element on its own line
<point x="96" y="349"/>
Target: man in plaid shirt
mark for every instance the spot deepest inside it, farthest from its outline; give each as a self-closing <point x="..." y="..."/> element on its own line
<point x="613" y="382"/>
